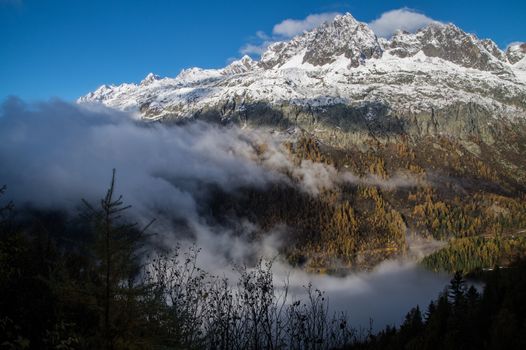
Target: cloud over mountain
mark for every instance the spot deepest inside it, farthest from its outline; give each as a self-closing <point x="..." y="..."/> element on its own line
<point x="291" y="27"/>
<point x="285" y="29"/>
<point x="401" y="19"/>
<point x="384" y="26"/>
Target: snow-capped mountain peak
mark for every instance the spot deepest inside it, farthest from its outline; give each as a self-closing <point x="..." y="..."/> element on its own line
<point x="449" y="42"/>
<point x="342" y="36"/>
<point x="193" y="75"/>
<point x="342" y="62"/>
<point x="150" y="78"/>
<point x="242" y="65"/>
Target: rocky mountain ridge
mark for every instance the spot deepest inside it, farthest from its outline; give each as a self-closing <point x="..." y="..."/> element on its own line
<point x="344" y="84"/>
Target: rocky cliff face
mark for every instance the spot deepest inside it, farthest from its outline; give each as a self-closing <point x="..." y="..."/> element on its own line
<point x="451" y="44"/>
<point x="516" y="53"/>
<point x="344" y="36"/>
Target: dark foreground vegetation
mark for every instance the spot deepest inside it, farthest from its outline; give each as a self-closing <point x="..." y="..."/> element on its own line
<point x="84" y="284"/>
<point x="93" y="282"/>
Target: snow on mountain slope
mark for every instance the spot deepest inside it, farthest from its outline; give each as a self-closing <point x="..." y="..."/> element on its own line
<point x="516" y="52"/>
<point x="519" y="68"/>
<point x="450" y="43"/>
<point x="342" y="62"/>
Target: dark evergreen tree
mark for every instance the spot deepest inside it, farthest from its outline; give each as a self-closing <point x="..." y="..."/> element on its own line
<point x="116" y="251"/>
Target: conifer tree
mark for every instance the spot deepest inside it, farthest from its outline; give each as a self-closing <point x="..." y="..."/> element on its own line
<point x="116" y="249"/>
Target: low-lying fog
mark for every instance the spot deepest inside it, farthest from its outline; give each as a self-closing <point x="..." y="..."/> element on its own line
<point x="384" y="295"/>
<point x="55" y="153"/>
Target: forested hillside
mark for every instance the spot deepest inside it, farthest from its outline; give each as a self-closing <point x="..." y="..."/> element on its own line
<point x="437" y="191"/>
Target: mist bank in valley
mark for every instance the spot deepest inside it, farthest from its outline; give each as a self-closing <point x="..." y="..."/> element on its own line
<point x="56" y="153"/>
<point x="196" y="179"/>
<point x="246" y="193"/>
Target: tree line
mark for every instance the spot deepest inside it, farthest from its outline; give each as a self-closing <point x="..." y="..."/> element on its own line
<point x="462" y="317"/>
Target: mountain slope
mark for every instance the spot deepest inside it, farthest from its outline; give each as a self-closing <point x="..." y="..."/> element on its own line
<point x="348" y="87"/>
<point x="440" y="105"/>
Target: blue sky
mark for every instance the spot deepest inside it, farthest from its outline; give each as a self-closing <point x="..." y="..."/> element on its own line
<point x="66" y="48"/>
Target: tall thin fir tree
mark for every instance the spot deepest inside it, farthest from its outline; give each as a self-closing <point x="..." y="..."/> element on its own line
<point x="117" y="246"/>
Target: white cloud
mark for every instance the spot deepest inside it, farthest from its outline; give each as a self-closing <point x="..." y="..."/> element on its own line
<point x="262" y="35"/>
<point x="284" y="30"/>
<point x="255" y="49"/>
<point x="405" y="19"/>
<point x="259" y="44"/>
<point x="291" y="27"/>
